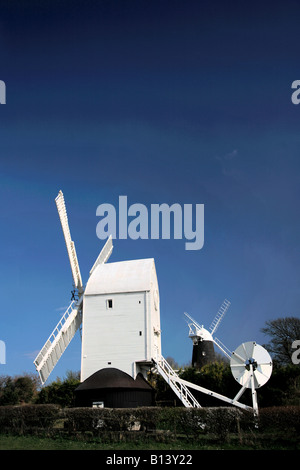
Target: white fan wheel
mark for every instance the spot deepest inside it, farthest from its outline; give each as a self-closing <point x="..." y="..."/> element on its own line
<point x="250" y="357"/>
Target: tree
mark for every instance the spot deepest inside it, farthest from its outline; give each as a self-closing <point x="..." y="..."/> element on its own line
<point x="8" y="394"/>
<point x="172" y="362"/>
<point x="60" y="392"/>
<point x="283" y="388"/>
<point x="283" y="332"/>
<point x="216" y="377"/>
<point x="18" y="390"/>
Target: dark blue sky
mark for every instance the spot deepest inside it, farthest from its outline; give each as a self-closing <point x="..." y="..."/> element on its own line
<point x="162" y="101"/>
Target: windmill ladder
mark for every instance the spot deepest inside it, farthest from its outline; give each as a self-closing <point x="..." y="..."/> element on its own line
<point x="170" y="376"/>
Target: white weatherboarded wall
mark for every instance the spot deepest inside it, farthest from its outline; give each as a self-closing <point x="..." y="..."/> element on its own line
<point x="121" y="318"/>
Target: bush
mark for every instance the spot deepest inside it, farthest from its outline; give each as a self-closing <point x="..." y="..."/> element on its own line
<point x="107" y="419"/>
<point x="59" y="392"/>
<point x="18" y="390"/>
<point x="28" y="418"/>
<point x="283" y="418"/>
<point x="222" y="421"/>
<point x="163" y="424"/>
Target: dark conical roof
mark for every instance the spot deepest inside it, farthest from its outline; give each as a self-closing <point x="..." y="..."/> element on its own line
<point x="113" y="378"/>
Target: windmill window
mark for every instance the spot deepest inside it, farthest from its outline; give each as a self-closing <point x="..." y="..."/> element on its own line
<point x="109" y="303"/>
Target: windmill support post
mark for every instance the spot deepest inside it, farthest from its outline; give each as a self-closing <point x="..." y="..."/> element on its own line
<point x="189" y="401"/>
<point x="234" y="401"/>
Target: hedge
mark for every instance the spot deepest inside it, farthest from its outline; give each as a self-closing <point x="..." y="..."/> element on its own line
<point x="280" y="418"/>
<point x="28" y="418"/>
<point x="136" y="423"/>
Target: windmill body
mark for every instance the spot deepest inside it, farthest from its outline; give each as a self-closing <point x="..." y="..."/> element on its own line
<point x="203" y="340"/>
<point x="121" y="318"/>
<point x="203" y="353"/>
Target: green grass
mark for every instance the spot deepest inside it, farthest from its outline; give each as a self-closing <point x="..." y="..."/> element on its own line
<point x="37" y="443"/>
<point x="8" y="442"/>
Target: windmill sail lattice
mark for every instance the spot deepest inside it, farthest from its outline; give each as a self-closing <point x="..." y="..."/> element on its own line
<point x="62" y="212"/>
<point x="104" y="255"/>
<point x="220" y="315"/>
<point x="58" y="341"/>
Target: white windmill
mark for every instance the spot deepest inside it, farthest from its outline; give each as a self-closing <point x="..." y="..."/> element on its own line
<point x="251" y="365"/>
<point x="203" y="340"/>
<point x="118" y="311"/>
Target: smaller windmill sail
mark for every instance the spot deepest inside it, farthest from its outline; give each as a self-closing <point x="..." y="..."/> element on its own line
<point x="220" y="315"/>
<point x="58" y="341"/>
<point x="104" y="254"/>
<point x="62" y="212"/>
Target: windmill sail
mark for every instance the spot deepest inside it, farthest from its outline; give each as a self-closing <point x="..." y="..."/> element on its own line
<point x="66" y="328"/>
<point x="104" y="254"/>
<point x="220" y="315"/>
<point x="62" y="212"/>
<point x="58" y="341"/>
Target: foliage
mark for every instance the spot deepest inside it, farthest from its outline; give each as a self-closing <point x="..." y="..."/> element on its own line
<point x="60" y="392"/>
<point x="18" y="390"/>
<point x="28" y="418"/>
<point x="111" y="419"/>
<point x="283" y="331"/>
<point x="279" y="418"/>
<point x="216" y="377"/>
<point x="283" y="387"/>
<point x="166" y="421"/>
<point x="109" y="423"/>
<point x="197" y="425"/>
